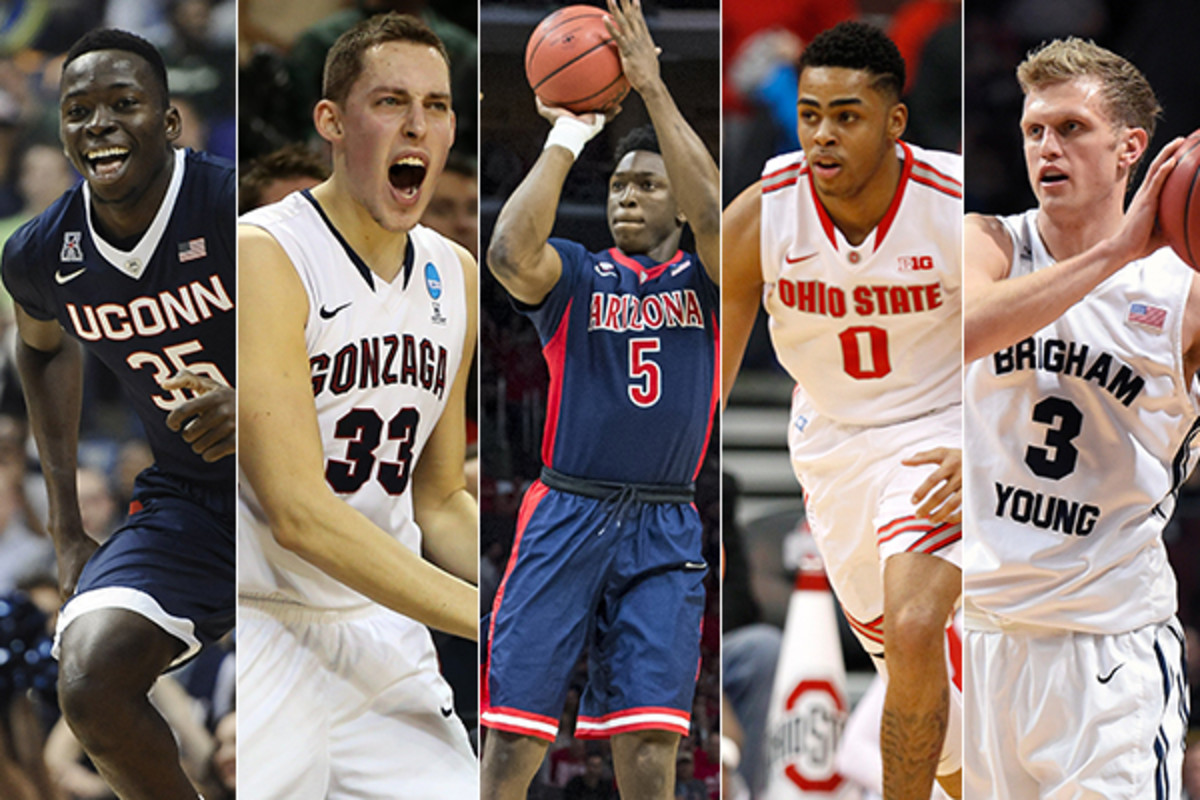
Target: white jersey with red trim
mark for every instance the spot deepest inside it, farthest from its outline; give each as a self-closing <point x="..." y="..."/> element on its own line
<point x="872" y="332"/>
<point x="383" y="358"/>
<point x="1078" y="439"/>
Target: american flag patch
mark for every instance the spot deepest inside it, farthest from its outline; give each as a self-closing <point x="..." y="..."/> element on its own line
<point x="1150" y="316"/>
<point x="193" y="249"/>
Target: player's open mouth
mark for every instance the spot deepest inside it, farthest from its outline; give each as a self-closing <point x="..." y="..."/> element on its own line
<point x="407" y="175"/>
<point x="826" y="167"/>
<point x="1052" y="178"/>
<point x="106" y="161"/>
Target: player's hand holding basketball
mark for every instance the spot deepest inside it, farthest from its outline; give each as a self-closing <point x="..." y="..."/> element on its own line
<point x="1139" y="235"/>
<point x="207" y="421"/>
<point x="639" y="56"/>
<point x="940" y="495"/>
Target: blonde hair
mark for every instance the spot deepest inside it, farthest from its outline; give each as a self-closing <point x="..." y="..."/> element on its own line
<point x="1127" y="95"/>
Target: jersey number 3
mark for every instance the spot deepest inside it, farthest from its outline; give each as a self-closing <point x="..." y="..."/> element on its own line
<point x="363" y="430"/>
<point x="1064" y="421"/>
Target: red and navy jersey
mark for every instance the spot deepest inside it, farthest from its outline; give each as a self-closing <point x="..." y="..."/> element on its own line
<point x="148" y="312"/>
<point x="632" y="350"/>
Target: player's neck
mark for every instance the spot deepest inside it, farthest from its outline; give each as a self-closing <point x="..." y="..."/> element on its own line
<point x="1069" y="232"/>
<point x="128" y="218"/>
<point x="857" y="214"/>
<point x="661" y="252"/>
<point x="380" y="249"/>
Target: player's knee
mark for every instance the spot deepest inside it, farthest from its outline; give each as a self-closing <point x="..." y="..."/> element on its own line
<point x="914" y="634"/>
<point x="90" y="697"/>
<point x="648" y="755"/>
<point x="510" y="758"/>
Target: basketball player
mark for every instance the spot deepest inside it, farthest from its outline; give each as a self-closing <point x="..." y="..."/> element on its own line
<point x="354" y="515"/>
<point x="136" y="262"/>
<point x="608" y="555"/>
<point x="853" y="248"/>
<point x="1083" y="335"/>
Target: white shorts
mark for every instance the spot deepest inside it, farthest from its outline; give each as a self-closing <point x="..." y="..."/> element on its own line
<point x="345" y="705"/>
<point x="1068" y="715"/>
<point x="858" y="502"/>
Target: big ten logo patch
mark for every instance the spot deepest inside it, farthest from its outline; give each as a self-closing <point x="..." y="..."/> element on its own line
<point x="915" y="263"/>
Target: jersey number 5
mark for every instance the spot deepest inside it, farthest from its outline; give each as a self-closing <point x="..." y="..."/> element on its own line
<point x="865" y="352"/>
<point x="363" y="428"/>
<point x="645" y="376"/>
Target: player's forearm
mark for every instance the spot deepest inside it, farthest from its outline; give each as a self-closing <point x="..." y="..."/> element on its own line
<point x="449" y="534"/>
<point x="695" y="180"/>
<point x="347" y="546"/>
<point x="527" y="218"/>
<point x="53" y="382"/>
<point x="999" y="314"/>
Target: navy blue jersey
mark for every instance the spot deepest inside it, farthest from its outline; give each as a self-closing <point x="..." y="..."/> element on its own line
<point x="632" y="350"/>
<point x="147" y="313"/>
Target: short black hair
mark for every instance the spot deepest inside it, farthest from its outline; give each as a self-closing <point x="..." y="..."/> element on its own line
<point x="116" y="39"/>
<point x="640" y="138"/>
<point x="856" y="45"/>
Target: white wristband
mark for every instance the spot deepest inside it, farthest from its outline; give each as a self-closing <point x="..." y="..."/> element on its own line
<point x="731" y="754"/>
<point x="573" y="133"/>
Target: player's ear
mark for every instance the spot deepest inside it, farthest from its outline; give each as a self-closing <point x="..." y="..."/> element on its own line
<point x="897" y="120"/>
<point x="173" y="123"/>
<point x="1131" y="145"/>
<point x="327" y="119"/>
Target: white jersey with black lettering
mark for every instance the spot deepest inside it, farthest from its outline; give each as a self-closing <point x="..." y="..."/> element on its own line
<point x="383" y="358"/>
<point x="871" y="333"/>
<point x="1077" y="440"/>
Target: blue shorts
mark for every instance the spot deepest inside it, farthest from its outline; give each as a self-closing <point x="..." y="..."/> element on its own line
<point x="623" y="581"/>
<point x="172" y="562"/>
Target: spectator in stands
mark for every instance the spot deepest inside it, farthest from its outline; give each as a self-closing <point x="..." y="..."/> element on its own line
<point x="272" y="177"/>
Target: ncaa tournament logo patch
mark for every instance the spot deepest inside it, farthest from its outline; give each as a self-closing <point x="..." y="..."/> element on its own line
<point x="71" y="251"/>
<point x="433" y="285"/>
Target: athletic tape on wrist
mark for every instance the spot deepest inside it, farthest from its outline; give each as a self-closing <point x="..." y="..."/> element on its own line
<point x="573" y="133"/>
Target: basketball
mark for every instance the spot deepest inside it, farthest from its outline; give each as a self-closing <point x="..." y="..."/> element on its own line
<point x="572" y="62"/>
<point x="1179" y="203"/>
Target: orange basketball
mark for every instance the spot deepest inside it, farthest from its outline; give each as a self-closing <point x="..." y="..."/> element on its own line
<point x="1179" y="203"/>
<point x="572" y="62"/>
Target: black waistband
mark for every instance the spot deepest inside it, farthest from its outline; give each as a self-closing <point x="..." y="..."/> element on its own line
<point x="604" y="490"/>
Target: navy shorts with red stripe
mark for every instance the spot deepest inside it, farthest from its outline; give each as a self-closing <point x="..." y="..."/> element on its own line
<point x="617" y="578"/>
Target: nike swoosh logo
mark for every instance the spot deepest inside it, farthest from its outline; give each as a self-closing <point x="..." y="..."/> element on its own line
<point x="60" y="279"/>
<point x="1108" y="677"/>
<point x="695" y="565"/>
<point x="328" y="314"/>
<point x="446" y="712"/>
<point x="791" y="260"/>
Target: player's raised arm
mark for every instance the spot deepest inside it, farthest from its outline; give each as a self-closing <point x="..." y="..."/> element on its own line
<point x="282" y="457"/>
<point x="519" y="254"/>
<point x="51" y="368"/>
<point x="999" y="311"/>
<point x="695" y="180"/>
<point x="444" y="510"/>
<point x="741" y="292"/>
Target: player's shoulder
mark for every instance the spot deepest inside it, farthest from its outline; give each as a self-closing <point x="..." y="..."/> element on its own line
<point x="783" y="170"/>
<point x="268" y="216"/>
<point x="62" y="218"/>
<point x="938" y="170"/>
<point x="209" y="183"/>
<point x="1164" y="261"/>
